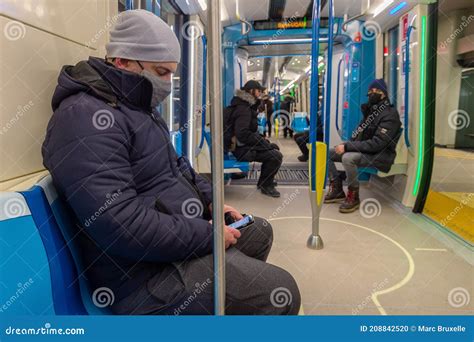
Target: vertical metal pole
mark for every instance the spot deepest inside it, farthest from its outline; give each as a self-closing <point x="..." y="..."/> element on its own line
<point x="314" y="240"/>
<point x="217" y="156"/>
<point x="327" y="97"/>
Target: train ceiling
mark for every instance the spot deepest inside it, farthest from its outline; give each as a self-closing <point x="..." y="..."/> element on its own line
<point x="252" y="10"/>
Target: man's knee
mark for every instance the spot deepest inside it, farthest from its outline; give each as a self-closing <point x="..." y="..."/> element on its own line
<point x="265" y="229"/>
<point x="284" y="294"/>
<point x="278" y="156"/>
<point x="350" y="158"/>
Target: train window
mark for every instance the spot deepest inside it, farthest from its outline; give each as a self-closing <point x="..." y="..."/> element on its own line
<point x="391" y="55"/>
<point x="450" y="200"/>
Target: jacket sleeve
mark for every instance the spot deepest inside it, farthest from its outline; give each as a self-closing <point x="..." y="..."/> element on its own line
<point x="91" y="169"/>
<point x="386" y="132"/>
<point x="242" y="117"/>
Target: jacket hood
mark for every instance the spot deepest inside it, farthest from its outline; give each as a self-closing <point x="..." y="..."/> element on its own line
<point x="102" y="80"/>
<point x="244" y="96"/>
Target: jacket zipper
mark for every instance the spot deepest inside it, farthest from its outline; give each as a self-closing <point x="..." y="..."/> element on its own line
<point x="186" y="182"/>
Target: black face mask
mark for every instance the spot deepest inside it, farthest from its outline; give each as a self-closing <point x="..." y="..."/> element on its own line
<point x="374" y="98"/>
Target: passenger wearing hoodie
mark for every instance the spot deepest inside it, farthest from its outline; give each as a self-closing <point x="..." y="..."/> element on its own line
<point x="143" y="214"/>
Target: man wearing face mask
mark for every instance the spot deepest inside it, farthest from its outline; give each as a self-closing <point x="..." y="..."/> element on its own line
<point x="251" y="146"/>
<point x="373" y="144"/>
<point x="143" y="214"/>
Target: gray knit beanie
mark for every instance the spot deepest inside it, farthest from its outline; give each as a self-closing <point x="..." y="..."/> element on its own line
<point x="142" y="36"/>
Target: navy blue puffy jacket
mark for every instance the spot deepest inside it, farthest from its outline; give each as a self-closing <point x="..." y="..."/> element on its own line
<point x="115" y="166"/>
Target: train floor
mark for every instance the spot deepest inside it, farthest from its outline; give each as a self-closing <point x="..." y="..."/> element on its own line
<point x="385" y="260"/>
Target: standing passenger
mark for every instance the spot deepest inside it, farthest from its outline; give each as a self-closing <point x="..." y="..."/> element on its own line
<point x="267" y="107"/>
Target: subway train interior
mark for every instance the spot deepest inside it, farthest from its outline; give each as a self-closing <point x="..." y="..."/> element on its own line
<point x="406" y="249"/>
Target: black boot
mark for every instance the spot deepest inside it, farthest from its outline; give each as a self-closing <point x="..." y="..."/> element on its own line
<point x="335" y="193"/>
<point x="270" y="190"/>
<point x="352" y="201"/>
<point x="274" y="183"/>
<point x="303" y="158"/>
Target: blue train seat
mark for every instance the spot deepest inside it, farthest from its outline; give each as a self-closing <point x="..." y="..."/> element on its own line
<point x="231" y="164"/>
<point x="64" y="224"/>
<point x="65" y="288"/>
<point x="299" y="123"/>
<point x="262" y="123"/>
<point x="27" y="284"/>
<point x="41" y="273"/>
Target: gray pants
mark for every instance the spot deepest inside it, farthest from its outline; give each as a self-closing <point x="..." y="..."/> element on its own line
<point x="350" y="161"/>
<point x="253" y="287"/>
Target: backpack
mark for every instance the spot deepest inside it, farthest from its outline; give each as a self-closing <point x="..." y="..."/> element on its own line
<point x="228" y="122"/>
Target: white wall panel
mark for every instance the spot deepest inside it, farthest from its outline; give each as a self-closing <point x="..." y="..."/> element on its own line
<point x="30" y="61"/>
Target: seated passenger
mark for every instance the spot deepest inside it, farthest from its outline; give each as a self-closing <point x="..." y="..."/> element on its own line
<point x="143" y="214"/>
<point x="373" y="144"/>
<point x="250" y="145"/>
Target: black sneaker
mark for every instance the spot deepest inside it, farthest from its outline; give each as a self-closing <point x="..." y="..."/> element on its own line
<point x="270" y="191"/>
<point x="303" y="158"/>
<point x="274" y="183"/>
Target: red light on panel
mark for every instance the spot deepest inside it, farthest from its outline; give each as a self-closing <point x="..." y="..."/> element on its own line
<point x="358" y="37"/>
<point x="346" y="104"/>
<point x="385" y="51"/>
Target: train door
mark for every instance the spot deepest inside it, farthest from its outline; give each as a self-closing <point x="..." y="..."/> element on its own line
<point x="450" y="199"/>
<point x="412" y="96"/>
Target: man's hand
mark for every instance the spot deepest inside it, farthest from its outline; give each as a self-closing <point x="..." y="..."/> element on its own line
<point x="228" y="209"/>
<point x="235" y="214"/>
<point x="339" y="149"/>
<point x="231" y="236"/>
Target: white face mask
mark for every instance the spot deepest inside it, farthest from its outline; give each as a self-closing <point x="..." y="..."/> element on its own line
<point x="161" y="88"/>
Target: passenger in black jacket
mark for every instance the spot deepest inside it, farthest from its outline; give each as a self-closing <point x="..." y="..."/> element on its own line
<point x="373" y="144"/>
<point x="251" y="146"/>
